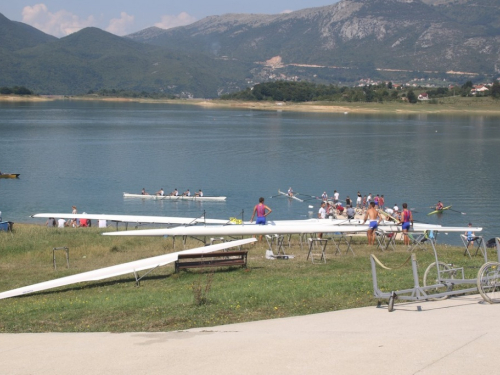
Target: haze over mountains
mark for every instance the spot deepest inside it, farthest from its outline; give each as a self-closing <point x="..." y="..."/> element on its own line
<point x="340" y="43"/>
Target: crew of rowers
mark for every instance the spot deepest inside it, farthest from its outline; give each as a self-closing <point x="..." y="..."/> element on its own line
<point x="175" y="193"/>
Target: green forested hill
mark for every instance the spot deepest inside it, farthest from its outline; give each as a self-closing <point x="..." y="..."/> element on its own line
<point x="92" y="59"/>
<point x="17" y="35"/>
<point x="345" y="43"/>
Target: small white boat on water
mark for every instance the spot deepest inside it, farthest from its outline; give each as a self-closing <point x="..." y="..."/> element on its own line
<point x="175" y="197"/>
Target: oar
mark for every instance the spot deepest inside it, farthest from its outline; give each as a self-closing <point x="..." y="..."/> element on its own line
<point x="463" y="213"/>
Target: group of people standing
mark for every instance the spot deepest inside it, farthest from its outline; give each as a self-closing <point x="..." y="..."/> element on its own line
<point x="374" y="217"/>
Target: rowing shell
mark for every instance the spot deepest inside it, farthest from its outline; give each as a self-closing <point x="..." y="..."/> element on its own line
<point x="174" y="197"/>
<point x="293" y="196"/>
<point x="267" y="229"/>
<point x="439" y="211"/>
<point x="242" y="230"/>
<point x="134" y="218"/>
<point x="9" y="175"/>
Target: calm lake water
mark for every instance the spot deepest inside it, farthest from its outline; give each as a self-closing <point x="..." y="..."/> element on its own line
<point x="88" y="153"/>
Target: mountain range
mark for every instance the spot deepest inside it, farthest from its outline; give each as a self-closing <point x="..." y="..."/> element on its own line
<point x="340" y="43"/>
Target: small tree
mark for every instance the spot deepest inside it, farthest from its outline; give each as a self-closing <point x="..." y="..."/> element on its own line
<point x="495" y="90"/>
<point x="412" y="98"/>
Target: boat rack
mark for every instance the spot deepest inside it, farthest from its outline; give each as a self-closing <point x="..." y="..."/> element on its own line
<point x="441" y="279"/>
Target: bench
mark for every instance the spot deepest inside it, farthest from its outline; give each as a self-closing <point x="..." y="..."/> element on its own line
<point x="219" y="259"/>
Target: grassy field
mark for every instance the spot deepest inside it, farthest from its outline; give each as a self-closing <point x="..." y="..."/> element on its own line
<point x="166" y="301"/>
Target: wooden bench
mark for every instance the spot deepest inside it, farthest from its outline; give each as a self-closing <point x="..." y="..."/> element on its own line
<point x="218" y="259"/>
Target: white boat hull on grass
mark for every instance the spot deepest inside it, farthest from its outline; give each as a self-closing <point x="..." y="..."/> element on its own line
<point x="120" y="269"/>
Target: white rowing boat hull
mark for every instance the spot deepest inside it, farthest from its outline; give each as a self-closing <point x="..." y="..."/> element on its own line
<point x="242" y="230"/>
<point x="269" y="229"/>
<point x="293" y="196"/>
<point x="175" y="198"/>
<point x="134" y="218"/>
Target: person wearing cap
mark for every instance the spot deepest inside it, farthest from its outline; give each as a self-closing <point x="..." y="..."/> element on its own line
<point x="395" y="209"/>
<point x="471" y="237"/>
<point x="83" y="222"/>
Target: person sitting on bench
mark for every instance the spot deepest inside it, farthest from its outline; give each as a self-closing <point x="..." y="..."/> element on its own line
<point x="471" y="237"/>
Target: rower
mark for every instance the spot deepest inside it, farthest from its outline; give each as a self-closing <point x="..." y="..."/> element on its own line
<point x="175" y="193"/>
<point x="439" y="206"/>
<point x="160" y="192"/>
<point x="199" y="193"/>
<point x="187" y="193"/>
<point x="290" y="192"/>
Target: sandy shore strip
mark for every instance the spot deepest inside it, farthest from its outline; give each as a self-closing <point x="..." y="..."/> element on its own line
<point x="452" y="105"/>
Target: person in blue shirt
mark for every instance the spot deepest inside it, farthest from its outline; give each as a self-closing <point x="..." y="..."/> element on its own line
<point x="471" y="237"/>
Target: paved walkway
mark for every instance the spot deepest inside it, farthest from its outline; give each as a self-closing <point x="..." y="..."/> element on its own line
<point x="455" y="336"/>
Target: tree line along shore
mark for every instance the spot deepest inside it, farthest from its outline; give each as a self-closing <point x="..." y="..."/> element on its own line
<point x="383" y="98"/>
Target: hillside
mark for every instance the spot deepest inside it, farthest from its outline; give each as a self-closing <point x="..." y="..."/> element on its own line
<point x="17" y="35"/>
<point x="352" y="41"/>
<point x="370" y="36"/>
<point x="92" y="59"/>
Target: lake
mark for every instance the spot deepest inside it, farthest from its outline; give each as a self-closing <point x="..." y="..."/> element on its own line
<point x="87" y="153"/>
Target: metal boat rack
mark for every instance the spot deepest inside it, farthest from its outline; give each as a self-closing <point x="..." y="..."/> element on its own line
<point x="440" y="281"/>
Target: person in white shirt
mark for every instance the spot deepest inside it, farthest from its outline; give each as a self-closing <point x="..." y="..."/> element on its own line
<point x="322" y="215"/>
<point x="336" y="196"/>
<point x="61" y="223"/>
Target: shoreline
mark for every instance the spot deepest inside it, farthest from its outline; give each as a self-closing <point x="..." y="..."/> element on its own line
<point x="448" y="106"/>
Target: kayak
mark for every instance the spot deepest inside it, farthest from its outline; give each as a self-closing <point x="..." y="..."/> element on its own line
<point x="439" y="211"/>
<point x="9" y="175"/>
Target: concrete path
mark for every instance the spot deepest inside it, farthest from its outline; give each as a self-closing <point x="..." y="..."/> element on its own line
<point x="455" y="336"/>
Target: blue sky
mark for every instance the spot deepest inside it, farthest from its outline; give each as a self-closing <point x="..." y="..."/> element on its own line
<point x="122" y="17"/>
